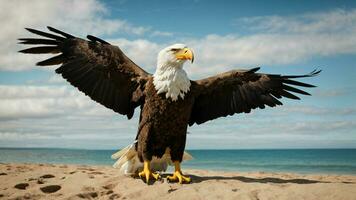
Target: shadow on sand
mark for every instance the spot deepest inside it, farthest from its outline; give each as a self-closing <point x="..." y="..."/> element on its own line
<point x="198" y="179"/>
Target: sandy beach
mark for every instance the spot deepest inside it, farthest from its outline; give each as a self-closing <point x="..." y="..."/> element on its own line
<point x="48" y="181"/>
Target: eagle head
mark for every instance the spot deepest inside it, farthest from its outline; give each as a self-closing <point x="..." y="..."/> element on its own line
<point x="174" y="56"/>
<point x="170" y="77"/>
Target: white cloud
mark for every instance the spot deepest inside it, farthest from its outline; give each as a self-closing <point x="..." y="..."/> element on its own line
<point x="323" y="127"/>
<point x="221" y="53"/>
<point x="337" y="20"/>
<point x="142" y="52"/>
<point x="161" y="33"/>
<point x="247" y="131"/>
<point x="56" y="79"/>
<point x="277" y="40"/>
<point x="20" y="136"/>
<point x="22" y="92"/>
<point x="79" y="17"/>
<point x="58" y="116"/>
<point x="318" y="111"/>
<point x="19" y="102"/>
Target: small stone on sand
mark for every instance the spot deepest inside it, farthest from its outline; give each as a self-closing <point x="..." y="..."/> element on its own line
<point x="50" y="188"/>
<point x="47" y="176"/>
<point x="21" y="186"/>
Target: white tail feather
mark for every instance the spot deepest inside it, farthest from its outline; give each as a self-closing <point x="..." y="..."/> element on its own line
<point x="129" y="163"/>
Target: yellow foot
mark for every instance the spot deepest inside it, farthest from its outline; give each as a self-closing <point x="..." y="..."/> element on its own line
<point x="146" y="173"/>
<point x="178" y="176"/>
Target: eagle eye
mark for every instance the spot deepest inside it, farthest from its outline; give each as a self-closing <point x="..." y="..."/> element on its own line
<point x="175" y="50"/>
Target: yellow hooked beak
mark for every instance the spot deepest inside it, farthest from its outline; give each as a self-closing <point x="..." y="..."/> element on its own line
<point x="185" y="54"/>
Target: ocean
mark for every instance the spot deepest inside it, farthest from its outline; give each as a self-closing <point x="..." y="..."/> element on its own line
<point x="318" y="161"/>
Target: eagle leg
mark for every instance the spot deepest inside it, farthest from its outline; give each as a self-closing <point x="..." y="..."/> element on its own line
<point x="146" y="172"/>
<point x="178" y="175"/>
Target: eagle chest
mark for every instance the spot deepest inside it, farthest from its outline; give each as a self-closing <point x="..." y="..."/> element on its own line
<point x="163" y="113"/>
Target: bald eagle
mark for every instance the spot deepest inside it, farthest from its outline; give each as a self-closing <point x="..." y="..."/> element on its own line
<point x="168" y="99"/>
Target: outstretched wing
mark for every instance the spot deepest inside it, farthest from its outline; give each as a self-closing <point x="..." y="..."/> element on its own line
<point x="240" y="91"/>
<point x="100" y="70"/>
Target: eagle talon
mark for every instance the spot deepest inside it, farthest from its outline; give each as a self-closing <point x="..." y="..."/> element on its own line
<point x="146" y="173"/>
<point x="178" y="175"/>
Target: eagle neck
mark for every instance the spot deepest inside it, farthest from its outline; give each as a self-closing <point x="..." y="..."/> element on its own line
<point x="171" y="80"/>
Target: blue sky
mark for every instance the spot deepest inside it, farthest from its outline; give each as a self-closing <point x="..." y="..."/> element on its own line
<point x="39" y="109"/>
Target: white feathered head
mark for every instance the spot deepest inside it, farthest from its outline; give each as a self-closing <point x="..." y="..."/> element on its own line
<point x="174" y="55"/>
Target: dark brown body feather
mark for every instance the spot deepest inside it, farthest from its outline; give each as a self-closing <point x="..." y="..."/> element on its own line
<point x="163" y="124"/>
<point x="108" y="76"/>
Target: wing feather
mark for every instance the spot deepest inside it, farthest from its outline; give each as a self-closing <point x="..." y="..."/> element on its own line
<point x="41" y="50"/>
<point x="56" y="60"/>
<point x="240" y="91"/>
<point x="98" y="69"/>
<point x="37" y="41"/>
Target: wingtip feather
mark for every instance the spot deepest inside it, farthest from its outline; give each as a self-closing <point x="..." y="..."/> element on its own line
<point x="96" y="39"/>
<point x="67" y="35"/>
<point x="253" y="70"/>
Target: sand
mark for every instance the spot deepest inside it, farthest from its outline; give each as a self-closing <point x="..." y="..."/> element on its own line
<point x="47" y="181"/>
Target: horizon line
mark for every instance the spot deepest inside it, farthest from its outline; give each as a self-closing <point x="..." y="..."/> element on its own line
<point x="193" y="149"/>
